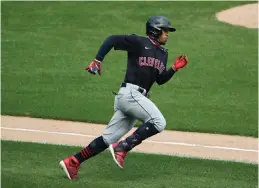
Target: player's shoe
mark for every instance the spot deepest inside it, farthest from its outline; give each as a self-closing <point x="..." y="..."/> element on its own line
<point x="71" y="166"/>
<point x="118" y="154"/>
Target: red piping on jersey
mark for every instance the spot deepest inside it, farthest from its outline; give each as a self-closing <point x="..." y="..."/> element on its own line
<point x="154" y="42"/>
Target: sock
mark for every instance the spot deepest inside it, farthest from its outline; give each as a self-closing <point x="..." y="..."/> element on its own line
<point x="95" y="147"/>
<point x="145" y="131"/>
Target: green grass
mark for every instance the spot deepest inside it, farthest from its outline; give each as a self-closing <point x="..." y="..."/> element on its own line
<point x="27" y="165"/>
<point x="46" y="46"/>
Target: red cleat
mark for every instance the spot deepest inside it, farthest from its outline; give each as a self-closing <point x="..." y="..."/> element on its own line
<point x="71" y="166"/>
<point x="118" y="154"/>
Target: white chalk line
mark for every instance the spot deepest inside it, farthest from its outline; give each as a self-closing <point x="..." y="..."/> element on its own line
<point x="148" y="141"/>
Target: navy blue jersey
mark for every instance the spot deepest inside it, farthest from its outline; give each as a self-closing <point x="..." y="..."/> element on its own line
<point x="146" y="62"/>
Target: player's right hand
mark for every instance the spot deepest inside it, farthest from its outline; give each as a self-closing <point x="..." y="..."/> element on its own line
<point x="94" y="67"/>
<point x="180" y="62"/>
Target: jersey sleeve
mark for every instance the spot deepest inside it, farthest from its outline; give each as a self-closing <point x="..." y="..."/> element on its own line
<point x="126" y="42"/>
<point x="166" y="75"/>
<point x="118" y="42"/>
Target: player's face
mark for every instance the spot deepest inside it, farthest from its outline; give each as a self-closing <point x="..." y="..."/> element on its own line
<point x="164" y="36"/>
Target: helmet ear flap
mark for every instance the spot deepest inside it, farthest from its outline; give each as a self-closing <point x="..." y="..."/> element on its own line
<point x="157" y="32"/>
<point x="153" y="31"/>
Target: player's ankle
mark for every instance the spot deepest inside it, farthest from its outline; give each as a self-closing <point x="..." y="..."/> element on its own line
<point x="95" y="147"/>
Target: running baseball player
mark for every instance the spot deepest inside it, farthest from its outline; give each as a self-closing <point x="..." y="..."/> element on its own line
<point x="147" y="62"/>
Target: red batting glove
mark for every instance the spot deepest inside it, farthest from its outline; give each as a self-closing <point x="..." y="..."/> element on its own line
<point x="180" y="62"/>
<point x="94" y="67"/>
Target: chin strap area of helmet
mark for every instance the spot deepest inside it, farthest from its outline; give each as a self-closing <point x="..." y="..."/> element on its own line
<point x="155" y="41"/>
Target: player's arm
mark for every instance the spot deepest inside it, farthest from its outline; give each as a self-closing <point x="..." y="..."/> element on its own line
<point x="165" y="76"/>
<point x="118" y="42"/>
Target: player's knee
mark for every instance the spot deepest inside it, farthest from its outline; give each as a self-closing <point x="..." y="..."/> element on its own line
<point x="109" y="140"/>
<point x="160" y="123"/>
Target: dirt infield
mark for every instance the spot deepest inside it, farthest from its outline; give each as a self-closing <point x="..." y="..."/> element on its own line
<point x="246" y="15"/>
<point x="211" y="146"/>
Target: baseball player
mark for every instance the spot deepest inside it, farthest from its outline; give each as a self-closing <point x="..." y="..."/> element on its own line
<point x="147" y="62"/>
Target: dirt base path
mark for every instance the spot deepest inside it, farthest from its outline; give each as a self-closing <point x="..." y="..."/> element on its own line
<point x="211" y="146"/>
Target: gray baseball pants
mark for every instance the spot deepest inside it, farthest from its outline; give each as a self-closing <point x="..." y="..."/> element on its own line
<point x="129" y="106"/>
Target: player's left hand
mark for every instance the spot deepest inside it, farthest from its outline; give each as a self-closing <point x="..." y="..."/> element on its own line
<point x="94" y="67"/>
<point x="180" y="62"/>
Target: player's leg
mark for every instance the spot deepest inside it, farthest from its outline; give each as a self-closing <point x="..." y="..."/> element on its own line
<point x="146" y="111"/>
<point x="117" y="127"/>
<point x="143" y="109"/>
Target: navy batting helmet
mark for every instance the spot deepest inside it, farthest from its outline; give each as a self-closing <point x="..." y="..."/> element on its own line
<point x="155" y="25"/>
